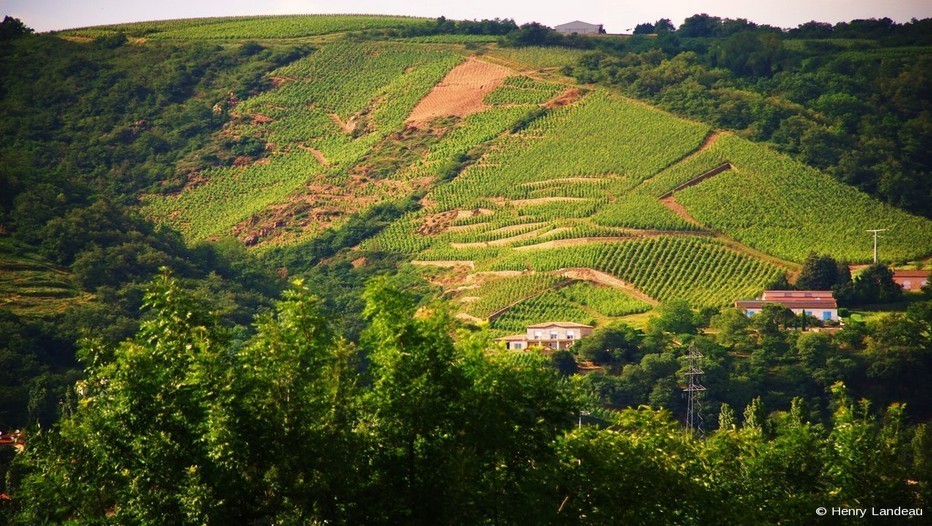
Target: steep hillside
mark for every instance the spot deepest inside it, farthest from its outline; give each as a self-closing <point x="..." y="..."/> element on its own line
<point x="525" y="195"/>
<point x="529" y="175"/>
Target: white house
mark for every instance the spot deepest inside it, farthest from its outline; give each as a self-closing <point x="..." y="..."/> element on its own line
<point x="579" y="27"/>
<point x="551" y="335"/>
<point x="818" y="303"/>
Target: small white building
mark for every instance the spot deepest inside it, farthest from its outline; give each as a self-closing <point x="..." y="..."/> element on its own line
<point x="818" y="303"/>
<point x="579" y="27"/>
<point x="551" y="335"/>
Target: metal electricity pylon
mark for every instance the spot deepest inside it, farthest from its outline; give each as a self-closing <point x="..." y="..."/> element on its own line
<point x="694" y="390"/>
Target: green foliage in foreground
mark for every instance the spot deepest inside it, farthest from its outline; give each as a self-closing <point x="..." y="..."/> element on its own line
<point x="179" y="426"/>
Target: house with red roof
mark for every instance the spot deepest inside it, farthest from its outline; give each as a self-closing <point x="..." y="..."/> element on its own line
<point x="818" y="303"/>
<point x="911" y="280"/>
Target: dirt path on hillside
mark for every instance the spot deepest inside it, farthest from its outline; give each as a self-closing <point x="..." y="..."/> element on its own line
<point x="541" y="200"/>
<point x="348" y="126"/>
<point x="558" y="180"/>
<point x="445" y="263"/>
<point x="556" y="243"/>
<point x="707" y="143"/>
<point x="498" y="242"/>
<point x="710" y="139"/>
<point x="595" y="276"/>
<point x="497" y="273"/>
<point x="319" y="155"/>
<point x="680" y="210"/>
<point x="461" y="92"/>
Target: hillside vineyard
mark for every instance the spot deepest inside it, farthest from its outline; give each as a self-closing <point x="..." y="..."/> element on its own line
<point x="541" y="165"/>
<point x="362" y="269"/>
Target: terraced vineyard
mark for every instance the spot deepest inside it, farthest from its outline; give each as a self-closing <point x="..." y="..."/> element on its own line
<point x="701" y="271"/>
<point x="535" y="177"/>
<point x="30" y="285"/>
<point x="498" y="293"/>
<point x="548" y="306"/>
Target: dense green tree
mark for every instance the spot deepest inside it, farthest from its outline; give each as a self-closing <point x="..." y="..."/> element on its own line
<point x="615" y="344"/>
<point x="772" y="318"/>
<point x="12" y="28"/>
<point x="676" y="317"/>
<point x="873" y="285"/>
<point x="733" y="327"/>
<point x="181" y="425"/>
<point x="822" y="273"/>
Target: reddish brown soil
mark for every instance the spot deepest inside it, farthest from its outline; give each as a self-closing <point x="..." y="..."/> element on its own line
<point x="461" y="92"/>
<point x="569" y="96"/>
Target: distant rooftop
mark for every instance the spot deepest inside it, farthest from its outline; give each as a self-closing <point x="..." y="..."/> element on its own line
<point x="562" y="324"/>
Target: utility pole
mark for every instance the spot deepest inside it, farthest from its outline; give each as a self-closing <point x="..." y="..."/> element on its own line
<point x="875" y="231"/>
<point x="582" y="414"/>
<point x="694" y="391"/>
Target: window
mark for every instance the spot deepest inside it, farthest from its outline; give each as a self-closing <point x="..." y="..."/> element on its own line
<point x="750" y="312"/>
<point x="536" y="335"/>
<point x="570" y="335"/>
<point x="517" y="345"/>
<point x="826" y="315"/>
<point x="553" y="335"/>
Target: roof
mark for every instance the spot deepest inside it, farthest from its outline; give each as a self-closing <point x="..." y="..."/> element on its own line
<point x="789" y="303"/>
<point x="561" y="324"/>
<point x="779" y="294"/>
<point x="910" y="273"/>
<point x="579" y="24"/>
<point x="512" y="338"/>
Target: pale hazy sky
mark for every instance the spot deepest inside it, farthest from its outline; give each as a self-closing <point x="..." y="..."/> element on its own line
<point x="618" y="16"/>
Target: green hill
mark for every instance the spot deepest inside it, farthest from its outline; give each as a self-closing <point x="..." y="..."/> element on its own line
<point x="515" y="168"/>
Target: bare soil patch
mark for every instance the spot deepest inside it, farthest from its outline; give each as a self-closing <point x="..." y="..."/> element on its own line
<point x="569" y="96"/>
<point x="444" y="263"/>
<point x="436" y="223"/>
<point x="462" y="214"/>
<point x="538" y="200"/>
<point x="316" y="206"/>
<point x="258" y="118"/>
<point x="461" y="92"/>
<point x="734" y="244"/>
